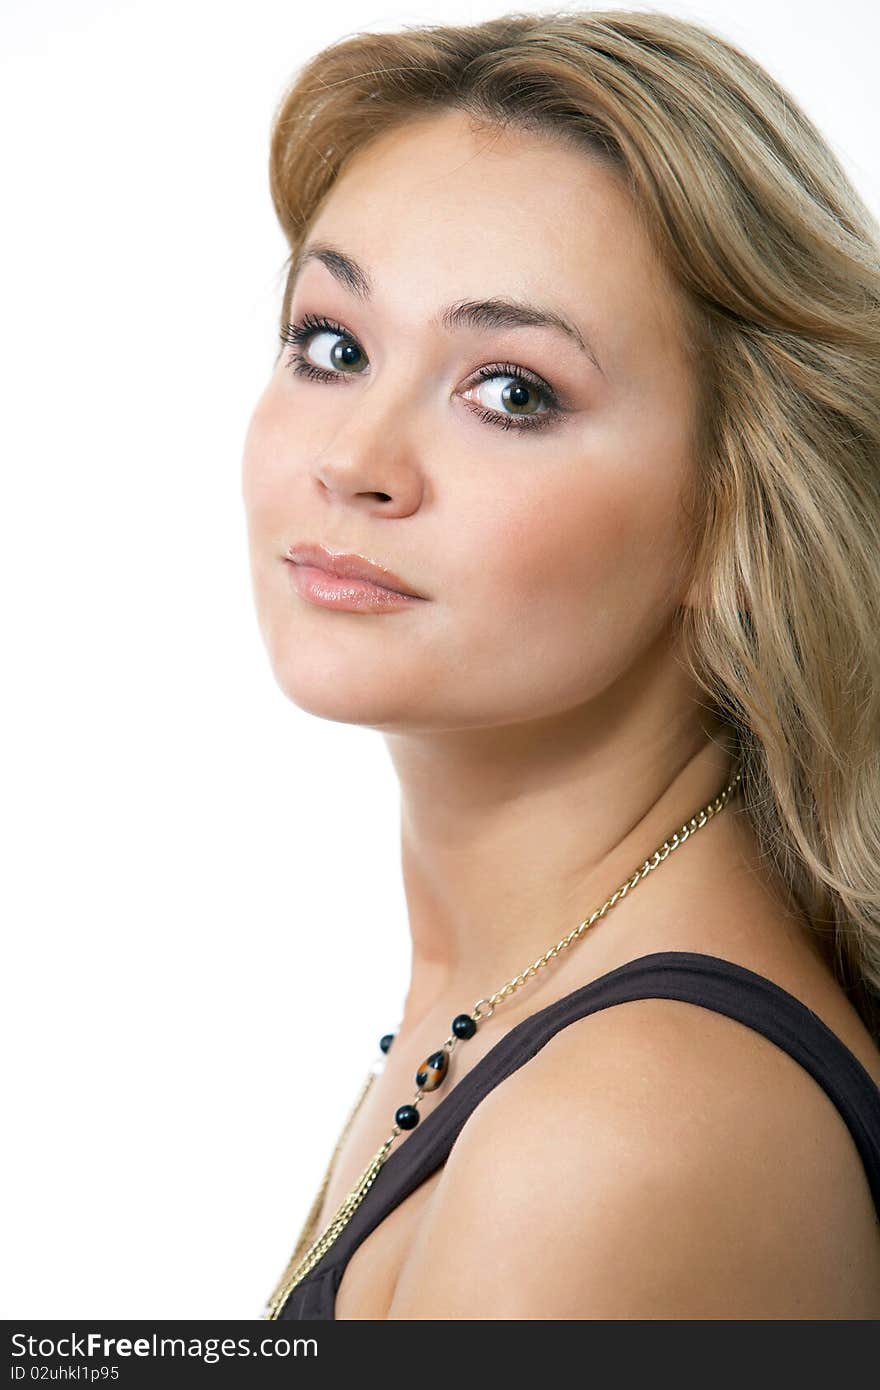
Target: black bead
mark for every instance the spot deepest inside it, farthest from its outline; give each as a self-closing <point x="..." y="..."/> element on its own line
<point x="406" y="1116"/>
<point x="463" y="1026"/>
<point x="386" y="1041"/>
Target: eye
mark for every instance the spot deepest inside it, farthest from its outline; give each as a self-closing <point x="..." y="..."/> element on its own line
<point x="341" y="356"/>
<point x="525" y="393"/>
<point x="532" y="402"/>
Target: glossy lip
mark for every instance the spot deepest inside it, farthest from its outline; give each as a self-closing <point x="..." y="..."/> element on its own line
<point x="347" y="565"/>
<point x="351" y="595"/>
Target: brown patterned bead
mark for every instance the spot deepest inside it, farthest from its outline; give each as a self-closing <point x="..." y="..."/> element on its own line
<point x="432" y="1071"/>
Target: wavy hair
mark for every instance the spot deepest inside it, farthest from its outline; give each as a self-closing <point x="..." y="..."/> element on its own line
<point x="779" y="261"/>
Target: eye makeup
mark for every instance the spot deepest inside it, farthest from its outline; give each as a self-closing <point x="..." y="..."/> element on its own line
<point x="300" y="333"/>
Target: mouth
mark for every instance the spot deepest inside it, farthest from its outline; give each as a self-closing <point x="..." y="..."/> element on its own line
<point x="346" y="565"/>
<point x="346" y="580"/>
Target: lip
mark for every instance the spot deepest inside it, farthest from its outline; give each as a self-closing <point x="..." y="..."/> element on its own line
<point x="343" y="579"/>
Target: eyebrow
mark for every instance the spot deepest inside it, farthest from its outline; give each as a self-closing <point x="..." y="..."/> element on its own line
<point x="465" y="313"/>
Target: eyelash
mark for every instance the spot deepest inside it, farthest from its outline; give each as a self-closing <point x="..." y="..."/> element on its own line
<point x="299" y="333"/>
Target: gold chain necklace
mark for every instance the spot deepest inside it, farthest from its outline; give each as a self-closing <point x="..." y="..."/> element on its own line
<point x="434" y="1069"/>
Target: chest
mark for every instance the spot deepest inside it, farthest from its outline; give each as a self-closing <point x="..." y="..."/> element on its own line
<point x="371" y="1274"/>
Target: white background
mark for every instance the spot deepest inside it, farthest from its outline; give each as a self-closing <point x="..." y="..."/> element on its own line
<point x="204" y="930"/>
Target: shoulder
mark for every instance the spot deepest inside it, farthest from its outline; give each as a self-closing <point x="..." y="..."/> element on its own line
<point x="653" y="1160"/>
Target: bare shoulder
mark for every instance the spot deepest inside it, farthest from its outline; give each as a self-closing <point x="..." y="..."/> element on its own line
<point x="653" y="1160"/>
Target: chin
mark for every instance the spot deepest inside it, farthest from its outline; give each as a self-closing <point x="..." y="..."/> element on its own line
<point x="344" y="692"/>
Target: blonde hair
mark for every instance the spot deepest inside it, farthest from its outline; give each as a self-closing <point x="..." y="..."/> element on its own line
<point x="779" y="261"/>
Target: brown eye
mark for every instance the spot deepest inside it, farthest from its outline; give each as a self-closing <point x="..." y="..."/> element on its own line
<point x="337" y="354"/>
<point x="332" y="352"/>
<point x="519" y="396"/>
<point x="525" y="402"/>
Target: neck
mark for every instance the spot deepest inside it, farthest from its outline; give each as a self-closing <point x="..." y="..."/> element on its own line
<point x="511" y="836"/>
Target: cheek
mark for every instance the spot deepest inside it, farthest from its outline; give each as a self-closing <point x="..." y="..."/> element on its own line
<point x="266" y="445"/>
<point x="579" y="572"/>
<point x="269" y="503"/>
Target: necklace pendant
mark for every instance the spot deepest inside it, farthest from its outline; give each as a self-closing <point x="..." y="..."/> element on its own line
<point x="432" y="1072"/>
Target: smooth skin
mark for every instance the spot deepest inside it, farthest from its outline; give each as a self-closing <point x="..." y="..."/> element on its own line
<point x="547" y="740"/>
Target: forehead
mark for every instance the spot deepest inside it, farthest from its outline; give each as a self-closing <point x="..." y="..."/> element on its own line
<point x="440" y="208"/>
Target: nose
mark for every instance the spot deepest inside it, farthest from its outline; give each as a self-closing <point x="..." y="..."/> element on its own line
<point x="372" y="461"/>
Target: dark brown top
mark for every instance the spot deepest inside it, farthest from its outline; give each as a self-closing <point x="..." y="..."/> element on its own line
<point x="707" y="980"/>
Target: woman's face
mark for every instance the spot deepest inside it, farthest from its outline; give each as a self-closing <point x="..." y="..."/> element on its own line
<point x="527" y="484"/>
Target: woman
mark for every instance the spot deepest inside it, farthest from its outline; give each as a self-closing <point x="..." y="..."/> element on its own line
<point x="580" y="363"/>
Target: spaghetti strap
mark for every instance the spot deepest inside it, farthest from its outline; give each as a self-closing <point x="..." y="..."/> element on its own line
<point x="690" y="976"/>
